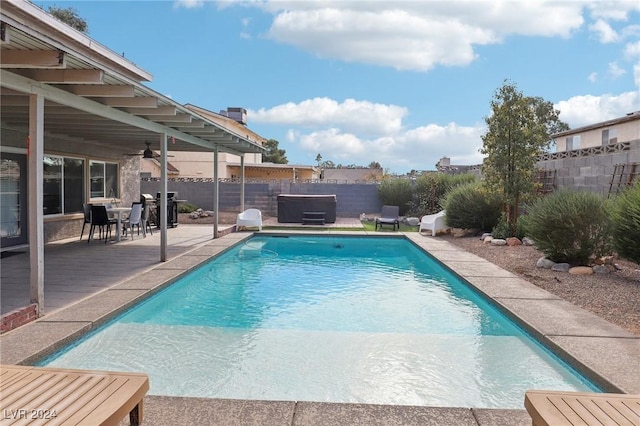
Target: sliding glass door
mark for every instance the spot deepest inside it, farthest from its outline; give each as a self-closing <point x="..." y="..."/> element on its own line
<point x="13" y="199"/>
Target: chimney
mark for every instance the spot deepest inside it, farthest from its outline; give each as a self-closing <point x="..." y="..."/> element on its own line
<point x="238" y="114"/>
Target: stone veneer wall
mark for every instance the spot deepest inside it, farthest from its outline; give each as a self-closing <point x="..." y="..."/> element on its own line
<point x="590" y="169"/>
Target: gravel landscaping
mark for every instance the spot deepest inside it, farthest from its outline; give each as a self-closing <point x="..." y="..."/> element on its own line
<point x="614" y="296"/>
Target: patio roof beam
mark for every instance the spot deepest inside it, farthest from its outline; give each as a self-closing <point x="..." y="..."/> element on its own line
<point x="107" y="91"/>
<point x="160" y="110"/>
<point x="33" y="59"/>
<point x="65" y="76"/>
<point x="139" y="102"/>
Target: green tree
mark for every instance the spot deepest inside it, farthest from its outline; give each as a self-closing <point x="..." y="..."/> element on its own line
<point x="274" y="155"/>
<point x="319" y="159"/>
<point x="518" y="130"/>
<point x="375" y="165"/>
<point x="70" y="17"/>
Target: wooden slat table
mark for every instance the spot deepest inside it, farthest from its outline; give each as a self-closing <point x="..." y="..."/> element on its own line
<point x="55" y="396"/>
<point x="555" y="408"/>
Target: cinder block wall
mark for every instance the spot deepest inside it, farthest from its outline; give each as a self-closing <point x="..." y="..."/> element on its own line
<point x="352" y="199"/>
<point x="590" y="169"/>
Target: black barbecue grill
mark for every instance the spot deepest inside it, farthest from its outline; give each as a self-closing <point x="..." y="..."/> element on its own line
<point x="172" y="209"/>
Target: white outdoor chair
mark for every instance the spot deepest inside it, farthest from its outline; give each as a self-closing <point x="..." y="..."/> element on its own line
<point x="433" y="222"/>
<point x="135" y="219"/>
<point x="249" y="217"/>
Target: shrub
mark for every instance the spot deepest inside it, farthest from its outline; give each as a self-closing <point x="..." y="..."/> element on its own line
<point x="624" y="215"/>
<point x="471" y="206"/>
<point x="501" y="230"/>
<point x="395" y="192"/>
<point x="431" y="188"/>
<point x="569" y="226"/>
<point x="186" y="208"/>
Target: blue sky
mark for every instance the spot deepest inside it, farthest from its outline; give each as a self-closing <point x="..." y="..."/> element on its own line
<point x="403" y="83"/>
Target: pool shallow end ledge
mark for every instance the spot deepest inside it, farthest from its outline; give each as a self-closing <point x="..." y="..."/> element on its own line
<point x="604" y="352"/>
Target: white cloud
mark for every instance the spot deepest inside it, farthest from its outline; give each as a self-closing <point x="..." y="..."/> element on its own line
<point x="351" y="116"/>
<point x="636" y="75"/>
<point x="632" y="51"/>
<point x="188" y="4"/>
<point x="593" y="77"/>
<point x="615" y="71"/>
<point x="616" y="10"/>
<point x="584" y="110"/>
<point x="359" y="132"/>
<point x="604" y="32"/>
<point x="414" y="35"/>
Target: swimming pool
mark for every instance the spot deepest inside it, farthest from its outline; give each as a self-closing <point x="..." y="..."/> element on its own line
<point x="339" y="319"/>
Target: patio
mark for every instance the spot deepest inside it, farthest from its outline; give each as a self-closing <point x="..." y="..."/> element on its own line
<point x="109" y="278"/>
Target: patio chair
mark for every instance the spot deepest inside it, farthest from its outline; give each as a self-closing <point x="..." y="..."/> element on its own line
<point x="390" y="215"/>
<point x="433" y="222"/>
<point x="72" y="396"/>
<point x="87" y="217"/>
<point x="146" y="214"/>
<point x="249" y="217"/>
<point x="100" y="219"/>
<point x="134" y="219"/>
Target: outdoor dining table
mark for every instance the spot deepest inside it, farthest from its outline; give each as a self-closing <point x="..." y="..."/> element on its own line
<point x="118" y="211"/>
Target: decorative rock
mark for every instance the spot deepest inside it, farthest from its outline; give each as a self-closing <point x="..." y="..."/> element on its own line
<point x="412" y="221"/>
<point x="498" y="242"/>
<point x="459" y="232"/>
<point x="487" y="239"/>
<point x="194" y="215"/>
<point x="485" y="235"/>
<point x="513" y="241"/>
<point x="561" y="267"/>
<point x="545" y="263"/>
<point x="527" y="241"/>
<point x="581" y="270"/>
<point x="601" y="269"/>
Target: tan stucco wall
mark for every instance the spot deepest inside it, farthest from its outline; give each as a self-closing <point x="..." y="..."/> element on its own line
<point x="626" y="131"/>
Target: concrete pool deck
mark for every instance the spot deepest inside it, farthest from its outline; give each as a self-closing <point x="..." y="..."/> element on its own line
<point x="605" y="352"/>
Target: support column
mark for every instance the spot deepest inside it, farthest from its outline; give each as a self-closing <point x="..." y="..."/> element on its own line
<point x="35" y="153"/>
<point x="163" y="197"/>
<point x="216" y="193"/>
<point x="242" y="182"/>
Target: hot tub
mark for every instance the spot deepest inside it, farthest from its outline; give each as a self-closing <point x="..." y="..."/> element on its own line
<point x="291" y="207"/>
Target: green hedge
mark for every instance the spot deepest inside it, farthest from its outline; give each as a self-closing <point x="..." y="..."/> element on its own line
<point x="569" y="226"/>
<point x="430" y="190"/>
<point x="624" y="214"/>
<point x="396" y="192"/>
<point x="472" y="206"/>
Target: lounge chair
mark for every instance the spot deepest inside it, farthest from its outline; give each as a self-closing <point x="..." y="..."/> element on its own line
<point x="249" y="217"/>
<point x="433" y="222"/>
<point x="561" y="408"/>
<point x="78" y="397"/>
<point x="390" y="215"/>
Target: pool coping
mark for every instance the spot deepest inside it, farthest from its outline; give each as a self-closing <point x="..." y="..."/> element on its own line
<point x="603" y="352"/>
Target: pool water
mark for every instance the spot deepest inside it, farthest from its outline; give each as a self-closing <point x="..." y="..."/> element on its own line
<point x="336" y="319"/>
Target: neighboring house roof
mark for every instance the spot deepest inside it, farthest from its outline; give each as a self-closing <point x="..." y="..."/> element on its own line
<point x="227" y="123"/>
<point x="92" y="93"/>
<point x="273" y="166"/>
<point x="629" y="117"/>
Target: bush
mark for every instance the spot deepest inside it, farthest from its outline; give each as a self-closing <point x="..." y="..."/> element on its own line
<point x="431" y="188"/>
<point x="186" y="208"/>
<point x="395" y="192"/>
<point x="624" y="216"/>
<point x="501" y="230"/>
<point x="569" y="226"/>
<point x="471" y="206"/>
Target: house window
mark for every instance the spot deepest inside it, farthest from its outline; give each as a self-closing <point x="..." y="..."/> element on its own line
<point x="609" y="136"/>
<point x="63" y="186"/>
<point x="573" y="142"/>
<point x="104" y="179"/>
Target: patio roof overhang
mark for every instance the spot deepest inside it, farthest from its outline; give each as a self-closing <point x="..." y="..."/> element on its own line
<point x="91" y="93"/>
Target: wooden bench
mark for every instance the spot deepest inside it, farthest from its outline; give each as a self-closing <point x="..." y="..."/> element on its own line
<point x="555" y="408"/>
<point x="36" y="396"/>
